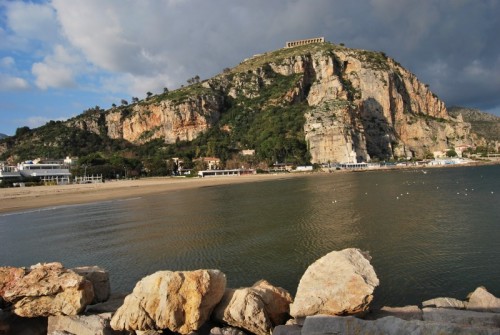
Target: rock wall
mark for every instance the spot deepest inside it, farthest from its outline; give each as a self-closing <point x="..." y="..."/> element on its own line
<point x="361" y="105"/>
<point x="364" y="105"/>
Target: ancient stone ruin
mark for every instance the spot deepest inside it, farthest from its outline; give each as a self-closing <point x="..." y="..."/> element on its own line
<point x="304" y="42"/>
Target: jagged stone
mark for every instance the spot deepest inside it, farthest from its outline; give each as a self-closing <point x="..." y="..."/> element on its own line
<point x="97" y="324"/>
<point x="349" y="325"/>
<point x="49" y="289"/>
<point x="339" y="283"/>
<point x="180" y="301"/>
<point x="444" y="303"/>
<point x="99" y="279"/>
<point x="406" y="313"/>
<point x="8" y="277"/>
<point x="483" y="301"/>
<point x="257" y="309"/>
<point x="462" y="317"/>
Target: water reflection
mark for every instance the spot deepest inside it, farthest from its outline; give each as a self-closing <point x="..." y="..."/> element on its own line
<point x="426" y="236"/>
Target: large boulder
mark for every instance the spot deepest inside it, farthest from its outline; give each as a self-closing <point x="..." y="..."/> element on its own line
<point x="483" y="301"/>
<point x="180" y="301"/>
<point x="339" y="283"/>
<point x="257" y="309"/>
<point x="99" y="279"/>
<point x="47" y="289"/>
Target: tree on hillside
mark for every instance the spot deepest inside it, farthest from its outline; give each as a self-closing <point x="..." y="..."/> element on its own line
<point x="149" y="94"/>
<point x="165" y="90"/>
<point x="124" y="102"/>
<point x="22" y="131"/>
<point x="135" y="99"/>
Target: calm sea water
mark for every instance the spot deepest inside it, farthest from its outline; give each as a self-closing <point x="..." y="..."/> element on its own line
<point x="430" y="235"/>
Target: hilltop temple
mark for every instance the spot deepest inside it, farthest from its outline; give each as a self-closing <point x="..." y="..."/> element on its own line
<point x="304" y="42"/>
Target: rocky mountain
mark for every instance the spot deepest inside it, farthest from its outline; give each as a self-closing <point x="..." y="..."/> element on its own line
<point x="3" y="136"/>
<point x="484" y="124"/>
<point x="314" y="103"/>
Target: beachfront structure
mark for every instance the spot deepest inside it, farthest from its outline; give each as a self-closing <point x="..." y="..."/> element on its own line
<point x="47" y="173"/>
<point x="221" y="173"/>
<point x="9" y="173"/>
<point x="353" y="166"/>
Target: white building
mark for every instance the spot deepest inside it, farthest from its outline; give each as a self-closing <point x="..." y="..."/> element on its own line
<point x="45" y="172"/>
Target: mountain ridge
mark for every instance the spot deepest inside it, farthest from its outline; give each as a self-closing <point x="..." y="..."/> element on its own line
<point x="315" y="103"/>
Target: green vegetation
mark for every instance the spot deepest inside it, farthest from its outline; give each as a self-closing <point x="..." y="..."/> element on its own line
<point x="57" y="140"/>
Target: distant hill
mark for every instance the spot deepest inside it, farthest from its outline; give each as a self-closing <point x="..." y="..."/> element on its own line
<point x="3" y="136"/>
<point x="484" y="124"/>
<point x="314" y="103"/>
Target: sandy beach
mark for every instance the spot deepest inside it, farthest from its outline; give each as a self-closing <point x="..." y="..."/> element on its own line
<point x="18" y="199"/>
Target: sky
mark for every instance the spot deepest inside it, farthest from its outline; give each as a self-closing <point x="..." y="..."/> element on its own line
<point x="61" y="57"/>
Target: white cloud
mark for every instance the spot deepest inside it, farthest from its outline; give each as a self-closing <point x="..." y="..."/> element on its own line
<point x="11" y="83"/>
<point x="58" y="69"/>
<point x="7" y="62"/>
<point x="32" y="21"/>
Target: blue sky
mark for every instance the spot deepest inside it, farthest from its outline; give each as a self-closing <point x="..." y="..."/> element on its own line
<point x="60" y="57"/>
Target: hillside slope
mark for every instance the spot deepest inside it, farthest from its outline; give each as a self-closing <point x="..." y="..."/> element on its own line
<point x="314" y="103"/>
<point x="484" y="124"/>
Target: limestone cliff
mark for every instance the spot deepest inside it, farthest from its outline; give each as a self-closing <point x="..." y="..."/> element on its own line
<point x="168" y="119"/>
<point x="357" y="105"/>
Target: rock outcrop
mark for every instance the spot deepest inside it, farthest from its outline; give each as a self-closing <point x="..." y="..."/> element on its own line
<point x="445" y="303"/>
<point x="358" y="105"/>
<point x="257" y="309"/>
<point x="339" y="283"/>
<point x="96" y="324"/>
<point x="99" y="279"/>
<point x="45" y="289"/>
<point x="348" y="325"/>
<point x="483" y="301"/>
<point x="179" y="301"/>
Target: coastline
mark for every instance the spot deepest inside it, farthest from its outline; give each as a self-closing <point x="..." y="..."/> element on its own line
<point x="19" y="199"/>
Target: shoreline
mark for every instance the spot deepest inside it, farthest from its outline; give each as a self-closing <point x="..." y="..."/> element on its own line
<point x="14" y="200"/>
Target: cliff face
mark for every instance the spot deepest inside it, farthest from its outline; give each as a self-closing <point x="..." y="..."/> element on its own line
<point x="363" y="104"/>
<point x="358" y="105"/>
<point x="166" y="119"/>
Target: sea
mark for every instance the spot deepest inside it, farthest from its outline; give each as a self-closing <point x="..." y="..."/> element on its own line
<point x="430" y="232"/>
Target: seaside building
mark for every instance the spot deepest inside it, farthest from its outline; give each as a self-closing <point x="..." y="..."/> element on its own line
<point x="47" y="173"/>
<point x="220" y="173"/>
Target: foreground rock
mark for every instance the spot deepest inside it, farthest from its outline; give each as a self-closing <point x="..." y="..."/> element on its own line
<point x="46" y="289"/>
<point x="444" y="303"/>
<point x="483" y="301"/>
<point x="323" y="324"/>
<point x="99" y="279"/>
<point x="180" y="301"/>
<point x="257" y="309"/>
<point x="97" y="324"/>
<point x="340" y="283"/>
<point x="461" y="317"/>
